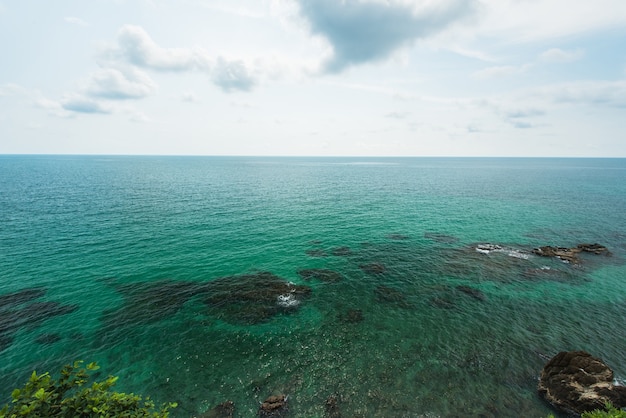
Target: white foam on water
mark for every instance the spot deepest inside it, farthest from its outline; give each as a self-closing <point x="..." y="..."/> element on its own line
<point x="287" y="301"/>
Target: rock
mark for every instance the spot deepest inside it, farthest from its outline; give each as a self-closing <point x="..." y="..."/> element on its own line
<point x="475" y="293"/>
<point x="570" y="255"/>
<point x="274" y="406"/>
<point x="373" y="268"/>
<point x="331" y="408"/>
<point x="594" y="248"/>
<point x="223" y="410"/>
<point x="576" y="382"/>
<point x="325" y="275"/>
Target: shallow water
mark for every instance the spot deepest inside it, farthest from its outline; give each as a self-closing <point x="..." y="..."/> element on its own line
<point x="141" y="264"/>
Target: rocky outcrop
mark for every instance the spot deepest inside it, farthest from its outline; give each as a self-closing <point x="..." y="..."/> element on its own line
<point x="576" y="382"/>
<point x="274" y="406"/>
<point x="571" y="255"/>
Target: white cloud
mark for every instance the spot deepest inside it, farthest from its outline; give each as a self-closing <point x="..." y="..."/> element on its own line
<point x="500" y="71"/>
<point x="135" y="46"/>
<point x="530" y="20"/>
<point x="189" y="97"/>
<point x="605" y="93"/>
<point x="561" y="56"/>
<point x="233" y="75"/>
<point x="75" y="21"/>
<point x="113" y="83"/>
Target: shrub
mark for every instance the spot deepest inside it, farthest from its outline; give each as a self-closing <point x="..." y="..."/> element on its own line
<point x="69" y="396"/>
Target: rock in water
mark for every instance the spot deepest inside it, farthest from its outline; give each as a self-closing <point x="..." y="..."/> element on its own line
<point x="223" y="410"/>
<point x="576" y="382"/>
<point x="274" y="406"/>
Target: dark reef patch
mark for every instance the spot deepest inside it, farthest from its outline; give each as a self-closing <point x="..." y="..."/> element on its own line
<point x="351" y="316"/>
<point x="398" y="237"/>
<point x="341" y="251"/>
<point x="324" y="275"/>
<point x="391" y="295"/>
<point x="244" y="299"/>
<point x="253" y="298"/>
<point x="441" y="238"/>
<point x="223" y="410"/>
<point x="473" y="292"/>
<point x="373" y="268"/>
<point x="22" y="296"/>
<point x="316" y="252"/>
<point x="20" y="310"/>
<point x="48" y="339"/>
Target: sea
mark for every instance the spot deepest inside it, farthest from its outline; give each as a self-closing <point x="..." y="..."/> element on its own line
<point x="358" y="287"/>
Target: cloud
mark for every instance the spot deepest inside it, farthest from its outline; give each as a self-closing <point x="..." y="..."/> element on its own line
<point x="120" y="77"/>
<point x="607" y="93"/>
<point x="189" y="97"/>
<point x="561" y="56"/>
<point x="397" y="115"/>
<point x="366" y="31"/>
<point x="524" y="113"/>
<point x="136" y="47"/>
<point x="500" y="71"/>
<point x="233" y="75"/>
<point x="75" y="21"/>
<point x="81" y="104"/>
<point x="112" y="83"/>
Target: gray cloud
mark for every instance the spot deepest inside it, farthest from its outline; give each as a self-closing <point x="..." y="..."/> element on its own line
<point x="364" y="31"/>
<point x="82" y="105"/>
<point x="233" y="75"/>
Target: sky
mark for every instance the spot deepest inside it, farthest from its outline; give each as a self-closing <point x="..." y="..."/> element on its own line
<point x="544" y="78"/>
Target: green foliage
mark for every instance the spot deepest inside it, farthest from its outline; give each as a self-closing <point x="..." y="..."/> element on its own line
<point x="69" y="396"/>
<point x="611" y="412"/>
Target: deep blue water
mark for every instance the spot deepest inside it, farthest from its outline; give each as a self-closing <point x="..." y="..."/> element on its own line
<point x="158" y="268"/>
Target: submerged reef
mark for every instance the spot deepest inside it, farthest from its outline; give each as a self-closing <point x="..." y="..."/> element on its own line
<point x="21" y="310"/>
<point x="324" y="275"/>
<point x="253" y="298"/>
<point x="243" y="299"/>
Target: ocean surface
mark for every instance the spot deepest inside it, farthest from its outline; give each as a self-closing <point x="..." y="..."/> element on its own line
<point x="383" y="287"/>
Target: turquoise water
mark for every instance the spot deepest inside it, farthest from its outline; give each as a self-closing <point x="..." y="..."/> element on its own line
<point x="142" y="263"/>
